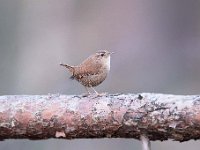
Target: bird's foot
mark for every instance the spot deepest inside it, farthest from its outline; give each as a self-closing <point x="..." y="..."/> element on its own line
<point x="94" y="95"/>
<point x="99" y="95"/>
<point x="85" y="94"/>
<point x="102" y="94"/>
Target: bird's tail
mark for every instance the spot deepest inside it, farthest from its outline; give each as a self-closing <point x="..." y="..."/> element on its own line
<point x="70" y="68"/>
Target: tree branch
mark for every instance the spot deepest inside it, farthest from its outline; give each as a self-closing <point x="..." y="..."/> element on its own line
<point x="157" y="116"/>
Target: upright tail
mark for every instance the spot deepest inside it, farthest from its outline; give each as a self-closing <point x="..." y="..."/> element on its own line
<point x="71" y="68"/>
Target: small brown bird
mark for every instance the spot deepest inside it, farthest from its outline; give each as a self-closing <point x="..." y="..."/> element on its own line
<point x="92" y="71"/>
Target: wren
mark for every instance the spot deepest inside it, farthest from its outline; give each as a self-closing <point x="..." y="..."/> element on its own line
<point x="92" y="71"/>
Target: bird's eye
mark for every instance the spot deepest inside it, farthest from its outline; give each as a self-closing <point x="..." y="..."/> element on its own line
<point x="102" y="55"/>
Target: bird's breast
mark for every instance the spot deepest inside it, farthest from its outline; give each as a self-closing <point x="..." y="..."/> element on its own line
<point x="107" y="64"/>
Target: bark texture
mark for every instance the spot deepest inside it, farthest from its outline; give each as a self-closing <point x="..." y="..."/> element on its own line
<point x="157" y="116"/>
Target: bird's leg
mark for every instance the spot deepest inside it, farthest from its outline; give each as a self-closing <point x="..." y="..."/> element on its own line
<point x="88" y="92"/>
<point x="98" y="94"/>
<point x="87" y="89"/>
<point x="95" y="91"/>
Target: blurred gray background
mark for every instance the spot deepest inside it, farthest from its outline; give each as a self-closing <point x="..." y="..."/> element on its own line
<point x="156" y="45"/>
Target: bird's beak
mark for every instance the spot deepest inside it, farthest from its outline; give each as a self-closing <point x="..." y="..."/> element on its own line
<point x="112" y="53"/>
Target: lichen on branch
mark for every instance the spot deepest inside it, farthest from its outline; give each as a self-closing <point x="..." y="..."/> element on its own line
<point x="157" y="116"/>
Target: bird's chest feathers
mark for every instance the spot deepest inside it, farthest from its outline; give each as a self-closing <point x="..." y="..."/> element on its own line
<point x="107" y="64"/>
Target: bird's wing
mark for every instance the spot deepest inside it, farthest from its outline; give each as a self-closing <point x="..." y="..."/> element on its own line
<point x="87" y="68"/>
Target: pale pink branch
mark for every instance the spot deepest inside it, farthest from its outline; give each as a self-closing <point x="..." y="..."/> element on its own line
<point x="157" y="116"/>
